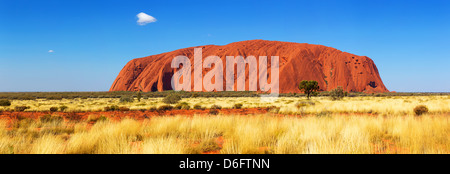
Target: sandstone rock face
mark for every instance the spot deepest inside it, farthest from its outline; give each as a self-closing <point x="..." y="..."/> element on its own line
<point x="298" y="61"/>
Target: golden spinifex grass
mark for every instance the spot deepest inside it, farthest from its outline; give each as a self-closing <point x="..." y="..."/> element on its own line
<point x="390" y="105"/>
<point x="241" y="135"/>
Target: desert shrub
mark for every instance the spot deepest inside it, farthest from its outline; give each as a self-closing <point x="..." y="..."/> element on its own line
<point x="123" y="108"/>
<point x="115" y="108"/>
<point x="112" y="108"/>
<point x="421" y="109"/>
<point x="53" y="109"/>
<point x="139" y="96"/>
<point x="216" y="107"/>
<point x="186" y="107"/>
<point x="213" y="111"/>
<point x="50" y="118"/>
<point x="21" y="108"/>
<point x="181" y="105"/>
<point x="165" y="107"/>
<point x="171" y="99"/>
<point x="237" y="106"/>
<point x="198" y="106"/>
<point x="5" y="102"/>
<point x="124" y="99"/>
<point x="337" y="94"/>
<point x="63" y="108"/>
<point x="102" y="118"/>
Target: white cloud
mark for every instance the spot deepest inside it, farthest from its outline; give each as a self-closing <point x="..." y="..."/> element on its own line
<point x="145" y="18"/>
<point x="51" y="51"/>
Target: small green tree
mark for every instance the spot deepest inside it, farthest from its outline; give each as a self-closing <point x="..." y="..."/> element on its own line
<point x="309" y="87"/>
<point x="337" y="94"/>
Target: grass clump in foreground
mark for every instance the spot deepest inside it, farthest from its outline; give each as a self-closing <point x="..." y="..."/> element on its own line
<point x="241" y="134"/>
<point x="421" y="109"/>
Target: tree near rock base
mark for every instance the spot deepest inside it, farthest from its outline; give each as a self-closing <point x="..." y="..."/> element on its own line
<point x="309" y="87"/>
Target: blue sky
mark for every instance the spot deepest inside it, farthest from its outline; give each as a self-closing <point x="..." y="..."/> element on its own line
<point x="92" y="40"/>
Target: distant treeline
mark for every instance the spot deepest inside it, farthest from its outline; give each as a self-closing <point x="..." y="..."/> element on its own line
<point x="183" y="94"/>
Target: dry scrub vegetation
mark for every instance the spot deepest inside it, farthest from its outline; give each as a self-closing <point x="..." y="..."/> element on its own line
<point x="368" y="124"/>
<point x="390" y="105"/>
<point x="230" y="135"/>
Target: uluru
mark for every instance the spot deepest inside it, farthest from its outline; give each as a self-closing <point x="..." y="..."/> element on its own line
<point x="297" y="61"/>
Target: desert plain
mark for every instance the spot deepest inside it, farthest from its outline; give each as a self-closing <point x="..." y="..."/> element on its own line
<point x="132" y="123"/>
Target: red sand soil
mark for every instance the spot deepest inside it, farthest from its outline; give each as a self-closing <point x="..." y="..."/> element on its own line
<point x="298" y="61"/>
